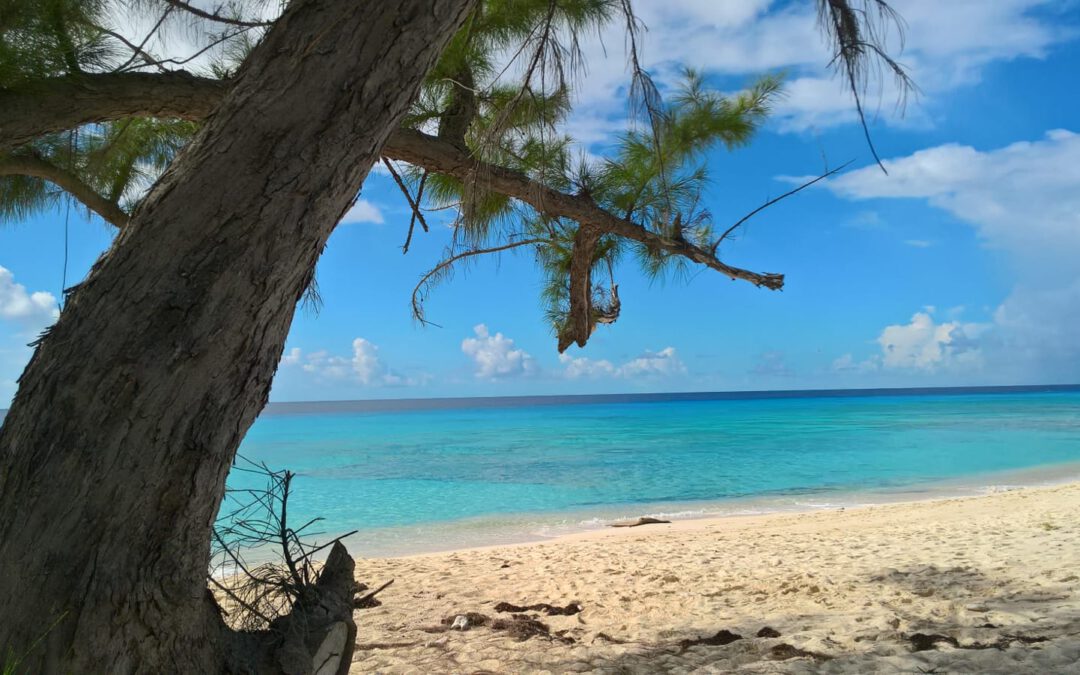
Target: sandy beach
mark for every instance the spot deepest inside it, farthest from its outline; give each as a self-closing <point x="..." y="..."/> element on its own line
<point x="985" y="584"/>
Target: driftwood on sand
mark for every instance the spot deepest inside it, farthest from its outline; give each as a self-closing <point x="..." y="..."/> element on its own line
<point x="640" y="521"/>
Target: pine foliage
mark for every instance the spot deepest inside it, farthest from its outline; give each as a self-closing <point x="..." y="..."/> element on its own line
<point x="502" y="92"/>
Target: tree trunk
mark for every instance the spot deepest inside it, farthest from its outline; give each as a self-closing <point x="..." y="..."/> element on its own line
<point x="114" y="453"/>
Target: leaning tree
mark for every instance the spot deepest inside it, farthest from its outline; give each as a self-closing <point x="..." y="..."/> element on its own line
<point x="223" y="187"/>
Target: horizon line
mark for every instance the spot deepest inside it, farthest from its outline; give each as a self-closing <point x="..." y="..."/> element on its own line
<point x="446" y="402"/>
<point x="660" y="396"/>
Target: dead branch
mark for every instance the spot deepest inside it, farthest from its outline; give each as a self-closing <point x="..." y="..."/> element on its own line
<point x="417" y="214"/>
<point x="645" y="520"/>
<point x="417" y="303"/>
<point x="579" y="322"/>
<point x="775" y="200"/>
<point x="438" y="156"/>
<point x="369" y="599"/>
<point x="216" y="16"/>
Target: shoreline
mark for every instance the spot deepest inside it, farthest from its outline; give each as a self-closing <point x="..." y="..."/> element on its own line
<point x="847" y="591"/>
<point x="528" y="528"/>
<point x="731" y="522"/>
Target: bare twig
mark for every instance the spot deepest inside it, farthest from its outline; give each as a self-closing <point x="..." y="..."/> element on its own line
<point x="361" y="603"/>
<point x="224" y="37"/>
<point x="260" y="524"/>
<point x="138" y="49"/>
<point x="769" y="203"/>
<point x="418" y="310"/>
<point x="238" y="600"/>
<point x="417" y="215"/>
<point x="216" y="16"/>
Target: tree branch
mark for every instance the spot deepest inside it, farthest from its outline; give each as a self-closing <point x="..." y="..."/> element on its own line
<point x="137" y="51"/>
<point x="65" y="103"/>
<point x="418" y="311"/>
<point x="215" y="16"/>
<point x="774" y="200"/>
<point x="438" y="156"/>
<point x="579" y="324"/>
<point x="414" y="205"/>
<point x="31" y="164"/>
<point x="62" y="103"/>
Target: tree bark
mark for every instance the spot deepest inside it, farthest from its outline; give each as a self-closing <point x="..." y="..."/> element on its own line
<point x="31" y="164"/>
<point x="62" y="103"/>
<point x="114" y="453"/>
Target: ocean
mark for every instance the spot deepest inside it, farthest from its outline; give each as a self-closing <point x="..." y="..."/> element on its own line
<point x="426" y="475"/>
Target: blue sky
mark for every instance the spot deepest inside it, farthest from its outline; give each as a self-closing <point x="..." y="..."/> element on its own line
<point x="960" y="267"/>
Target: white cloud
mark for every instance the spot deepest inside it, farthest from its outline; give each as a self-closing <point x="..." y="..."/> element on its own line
<point x="495" y="356"/>
<point x="365" y="367"/>
<point x="369" y="367"/>
<point x="363" y="211"/>
<point x="847" y="363"/>
<point x="1030" y="338"/>
<point x="31" y="312"/>
<point x="1023" y="198"/>
<point x="586" y="367"/>
<point x="291" y="357"/>
<point x="948" y="44"/>
<point x="663" y="363"/>
<point x="923" y="344"/>
<point x="1035" y="333"/>
<point x="1024" y="201"/>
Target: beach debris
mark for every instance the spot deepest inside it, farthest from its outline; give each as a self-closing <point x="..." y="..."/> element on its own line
<point x="549" y="609"/>
<point x="460" y="623"/>
<point x="522" y="627"/>
<point x="921" y="642"/>
<point x="1005" y="640"/>
<point x="640" y="521"/>
<point x="607" y="638"/>
<point x="768" y="632"/>
<point x="371" y="646"/>
<point x="784" y="651"/>
<point x="368" y="601"/>
<point x="464" y="621"/>
<point x="519" y="626"/>
<point x="722" y="637"/>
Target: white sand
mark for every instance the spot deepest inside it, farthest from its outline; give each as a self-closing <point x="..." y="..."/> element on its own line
<point x="852" y="585"/>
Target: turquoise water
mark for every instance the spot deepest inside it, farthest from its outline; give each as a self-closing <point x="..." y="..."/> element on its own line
<point x="428" y="479"/>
